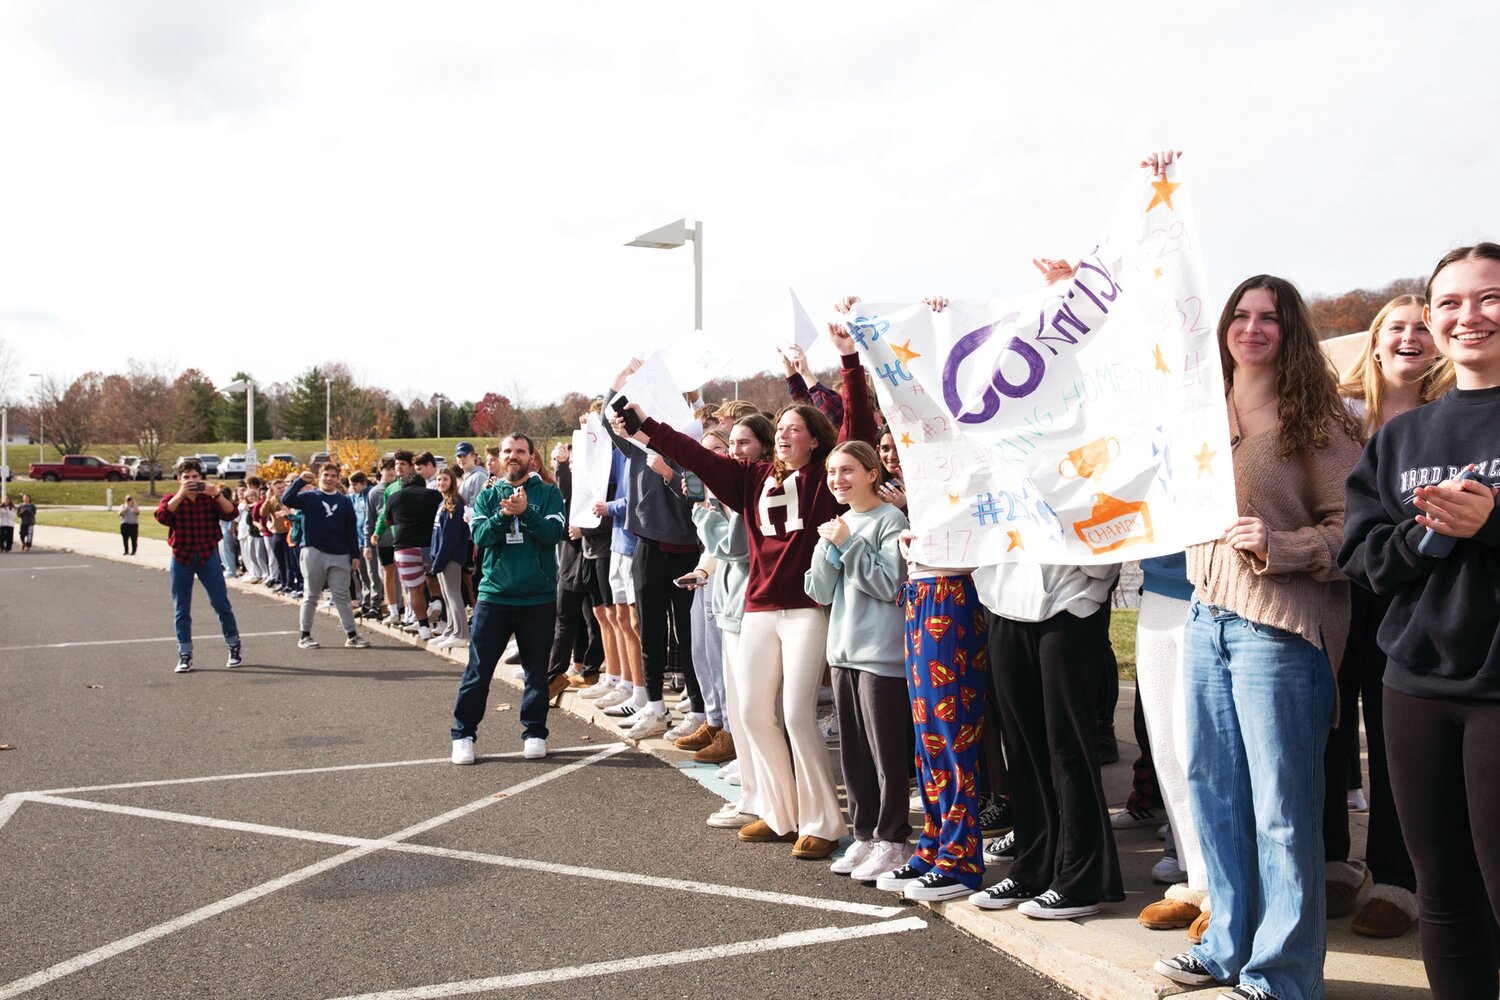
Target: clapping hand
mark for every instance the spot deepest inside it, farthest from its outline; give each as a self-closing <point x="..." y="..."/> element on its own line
<point x="834" y="532"/>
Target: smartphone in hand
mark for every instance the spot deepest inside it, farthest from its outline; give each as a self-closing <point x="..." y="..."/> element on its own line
<point x="690" y="582"/>
<point x="632" y="422"/>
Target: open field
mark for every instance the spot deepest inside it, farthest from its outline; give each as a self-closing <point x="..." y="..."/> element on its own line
<point x="98" y="520"/>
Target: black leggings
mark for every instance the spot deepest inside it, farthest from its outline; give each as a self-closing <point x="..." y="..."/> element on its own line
<point x="130" y="535"/>
<point x="656" y="597"/>
<point x="1442" y="757"/>
<point x="7" y="535"/>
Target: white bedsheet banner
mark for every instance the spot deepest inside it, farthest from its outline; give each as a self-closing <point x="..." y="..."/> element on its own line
<point x="1080" y="424"/>
<point x="593" y="451"/>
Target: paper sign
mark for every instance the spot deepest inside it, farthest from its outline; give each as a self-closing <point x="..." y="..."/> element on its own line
<point x="1080" y="424"/>
<point x="592" y="453"/>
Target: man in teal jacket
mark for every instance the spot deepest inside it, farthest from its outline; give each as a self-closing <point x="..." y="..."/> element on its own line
<point x="516" y="526"/>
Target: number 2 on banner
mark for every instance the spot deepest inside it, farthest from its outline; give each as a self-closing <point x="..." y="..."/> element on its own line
<point x="1184" y="324"/>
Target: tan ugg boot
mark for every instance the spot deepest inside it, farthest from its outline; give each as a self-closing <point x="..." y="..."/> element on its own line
<point x="1390" y="912"/>
<point x="1179" y="908"/>
<point x="1346" y="887"/>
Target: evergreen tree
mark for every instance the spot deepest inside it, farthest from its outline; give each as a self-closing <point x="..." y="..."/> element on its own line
<point x="401" y="425"/>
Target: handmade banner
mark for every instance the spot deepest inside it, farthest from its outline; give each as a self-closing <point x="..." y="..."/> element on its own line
<point x="592" y="454"/>
<point x="1081" y="424"/>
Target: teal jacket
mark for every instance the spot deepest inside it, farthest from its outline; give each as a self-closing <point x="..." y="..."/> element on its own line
<point x="519" y="553"/>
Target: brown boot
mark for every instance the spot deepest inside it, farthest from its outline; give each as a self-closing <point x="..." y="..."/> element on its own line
<point x="813" y="848"/>
<point x="720" y="751"/>
<point x="1390" y="912"/>
<point x="1199" y="928"/>
<point x="1179" y="908"/>
<point x="698" y="738"/>
<point x="760" y="832"/>
<point x="556" y="687"/>
<point x="1346" y="887"/>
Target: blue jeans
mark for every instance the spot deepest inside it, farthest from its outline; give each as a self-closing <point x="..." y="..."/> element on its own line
<point x="1259" y="704"/>
<point x="489" y="633"/>
<point x="211" y="572"/>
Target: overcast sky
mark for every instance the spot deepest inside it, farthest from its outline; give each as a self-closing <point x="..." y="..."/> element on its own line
<point x="439" y="194"/>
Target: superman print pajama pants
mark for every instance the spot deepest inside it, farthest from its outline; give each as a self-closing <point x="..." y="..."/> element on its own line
<point x="946" y="671"/>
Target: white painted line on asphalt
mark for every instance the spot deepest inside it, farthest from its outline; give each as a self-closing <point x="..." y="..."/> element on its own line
<point x="126" y="642"/>
<point x="10" y="804"/>
<point x="498" y="860"/>
<point x="39" y="569"/>
<point x="794" y="939"/>
<point x="100" y="954"/>
<point x="677" y="884"/>
<point x="305" y="770"/>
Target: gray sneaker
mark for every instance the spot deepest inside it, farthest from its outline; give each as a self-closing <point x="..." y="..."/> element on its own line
<point x="307" y="642"/>
<point x="356" y="641"/>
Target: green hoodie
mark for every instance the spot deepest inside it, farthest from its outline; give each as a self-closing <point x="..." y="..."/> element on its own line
<point x="519" y="553"/>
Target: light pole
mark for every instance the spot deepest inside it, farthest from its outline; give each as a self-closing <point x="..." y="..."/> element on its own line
<point x="328" y="415"/>
<point x="670" y="237"/>
<point x="4" y="441"/>
<point x="440" y="399"/>
<point x="252" y="465"/>
<point x="41" y="421"/>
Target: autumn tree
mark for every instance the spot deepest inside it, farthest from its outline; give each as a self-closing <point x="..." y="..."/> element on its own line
<point x="70" y="410"/>
<point x="1351" y="312"/>
<point x="493" y="415"/>
<point x="140" y="406"/>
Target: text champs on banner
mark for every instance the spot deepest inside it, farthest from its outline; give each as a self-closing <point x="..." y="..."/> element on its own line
<point x="1080" y="424"/>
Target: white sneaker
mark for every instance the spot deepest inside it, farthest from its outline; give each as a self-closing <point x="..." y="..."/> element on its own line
<point x="647" y="725"/>
<point x="729" y="773"/>
<point x="687" y="727"/>
<point x="610" y="699"/>
<point x="855" y="856"/>
<point x="519" y="674"/>
<point x="729" y="817"/>
<point x="452" y="642"/>
<point x="394" y="618"/>
<point x="533" y="748"/>
<point x="463" y="750"/>
<point x="307" y="642"/>
<point x="884" y="856"/>
<point x="1356" y="801"/>
<point x="424" y="633"/>
<point x="829" y="727"/>
<point x="434" y="612"/>
<point x="597" y="690"/>
<point x="626" y="709"/>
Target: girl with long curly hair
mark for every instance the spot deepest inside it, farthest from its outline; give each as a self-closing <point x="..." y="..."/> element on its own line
<point x="1268" y="620"/>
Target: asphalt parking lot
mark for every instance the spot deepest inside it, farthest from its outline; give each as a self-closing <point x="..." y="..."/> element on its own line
<point x="292" y="828"/>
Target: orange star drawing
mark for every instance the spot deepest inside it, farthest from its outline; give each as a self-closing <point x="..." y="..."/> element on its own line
<point x="1158" y="270"/>
<point x="906" y="440"/>
<point x="952" y="499"/>
<point x="1163" y="196"/>
<point x="1205" y="458"/>
<point x="1015" y="541"/>
<point x="1161" y="364"/>
<point x="903" y="352"/>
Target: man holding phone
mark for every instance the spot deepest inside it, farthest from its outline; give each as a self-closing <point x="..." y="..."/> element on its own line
<point x="192" y="516"/>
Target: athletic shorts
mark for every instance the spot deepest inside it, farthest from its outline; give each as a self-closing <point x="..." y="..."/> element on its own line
<point x="387" y="554"/>
<point x="409" y="568"/>
<point x="621" y="586"/>
<point x="595" y="582"/>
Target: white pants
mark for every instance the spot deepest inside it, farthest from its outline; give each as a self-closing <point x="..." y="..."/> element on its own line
<point x="1158" y="677"/>
<point x="268" y="556"/>
<point x="250" y="548"/>
<point x="786" y="648"/>
<point x="735" y="722"/>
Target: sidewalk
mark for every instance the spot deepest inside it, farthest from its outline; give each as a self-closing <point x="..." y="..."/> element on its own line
<point x="1108" y="956"/>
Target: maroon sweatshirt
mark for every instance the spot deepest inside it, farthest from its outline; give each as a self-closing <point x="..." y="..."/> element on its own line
<point x="782" y="518"/>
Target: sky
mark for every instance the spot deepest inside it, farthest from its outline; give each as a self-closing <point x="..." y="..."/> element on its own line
<point x="439" y="195"/>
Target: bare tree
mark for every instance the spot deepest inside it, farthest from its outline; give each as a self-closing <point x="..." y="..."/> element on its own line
<point x="8" y="365"/>
<point x="140" y="406"/>
<point x="71" y="410"/>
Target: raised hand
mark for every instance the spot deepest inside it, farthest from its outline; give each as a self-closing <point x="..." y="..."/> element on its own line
<point x="1158" y="161"/>
<point x="1054" y="270"/>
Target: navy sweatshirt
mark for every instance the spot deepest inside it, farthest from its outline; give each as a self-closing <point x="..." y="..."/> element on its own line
<point x="328" y="520"/>
<point x="1442" y="633"/>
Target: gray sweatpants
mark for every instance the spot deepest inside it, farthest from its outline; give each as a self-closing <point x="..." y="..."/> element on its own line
<point x="708" y="655"/>
<point x="322" y="570"/>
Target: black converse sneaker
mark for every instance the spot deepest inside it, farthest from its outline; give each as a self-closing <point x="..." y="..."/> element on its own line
<point x="898" y="880"/>
<point x="1003" y="849"/>
<point x="1001" y="896"/>
<point x="1245" y="991"/>
<point x="1185" y="969"/>
<point x="994" y="817"/>
<point x="936" y="885"/>
<point x="1053" y="905"/>
<point x="234" y="656"/>
<point x="184" y="663"/>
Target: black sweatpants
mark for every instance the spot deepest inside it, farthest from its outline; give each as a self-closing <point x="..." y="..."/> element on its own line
<point x="576" y="636"/>
<point x="1359" y="678"/>
<point x="1048" y="677"/>
<point x="656" y="597"/>
<point x="1442" y="754"/>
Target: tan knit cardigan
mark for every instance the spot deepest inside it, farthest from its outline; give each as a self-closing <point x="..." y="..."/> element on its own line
<point x="1298" y="587"/>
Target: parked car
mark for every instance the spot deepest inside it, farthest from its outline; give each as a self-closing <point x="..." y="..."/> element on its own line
<point x="210" y="464"/>
<point x="233" y="467"/>
<point x="282" y="456"/>
<point x="142" y="468"/>
<point x="78" y="467"/>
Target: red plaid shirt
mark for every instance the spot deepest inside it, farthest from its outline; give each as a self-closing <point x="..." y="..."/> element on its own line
<point x="819" y="395"/>
<point x="193" y="528"/>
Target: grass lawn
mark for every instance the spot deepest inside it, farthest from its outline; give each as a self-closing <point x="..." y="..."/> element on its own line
<point x="76" y="494"/>
<point x="96" y="520"/>
<point x="1122" y="638"/>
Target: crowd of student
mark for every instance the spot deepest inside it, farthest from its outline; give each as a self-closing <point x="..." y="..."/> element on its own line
<point x="769" y="557"/>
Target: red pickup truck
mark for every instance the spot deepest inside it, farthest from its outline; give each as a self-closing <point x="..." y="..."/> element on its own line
<point x="78" y="467"/>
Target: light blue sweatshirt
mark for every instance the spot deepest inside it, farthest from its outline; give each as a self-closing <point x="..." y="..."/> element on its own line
<point x="723" y="535"/>
<point x="860" y="580"/>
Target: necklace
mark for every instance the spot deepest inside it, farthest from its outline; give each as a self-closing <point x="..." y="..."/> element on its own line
<point x="1239" y="418"/>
